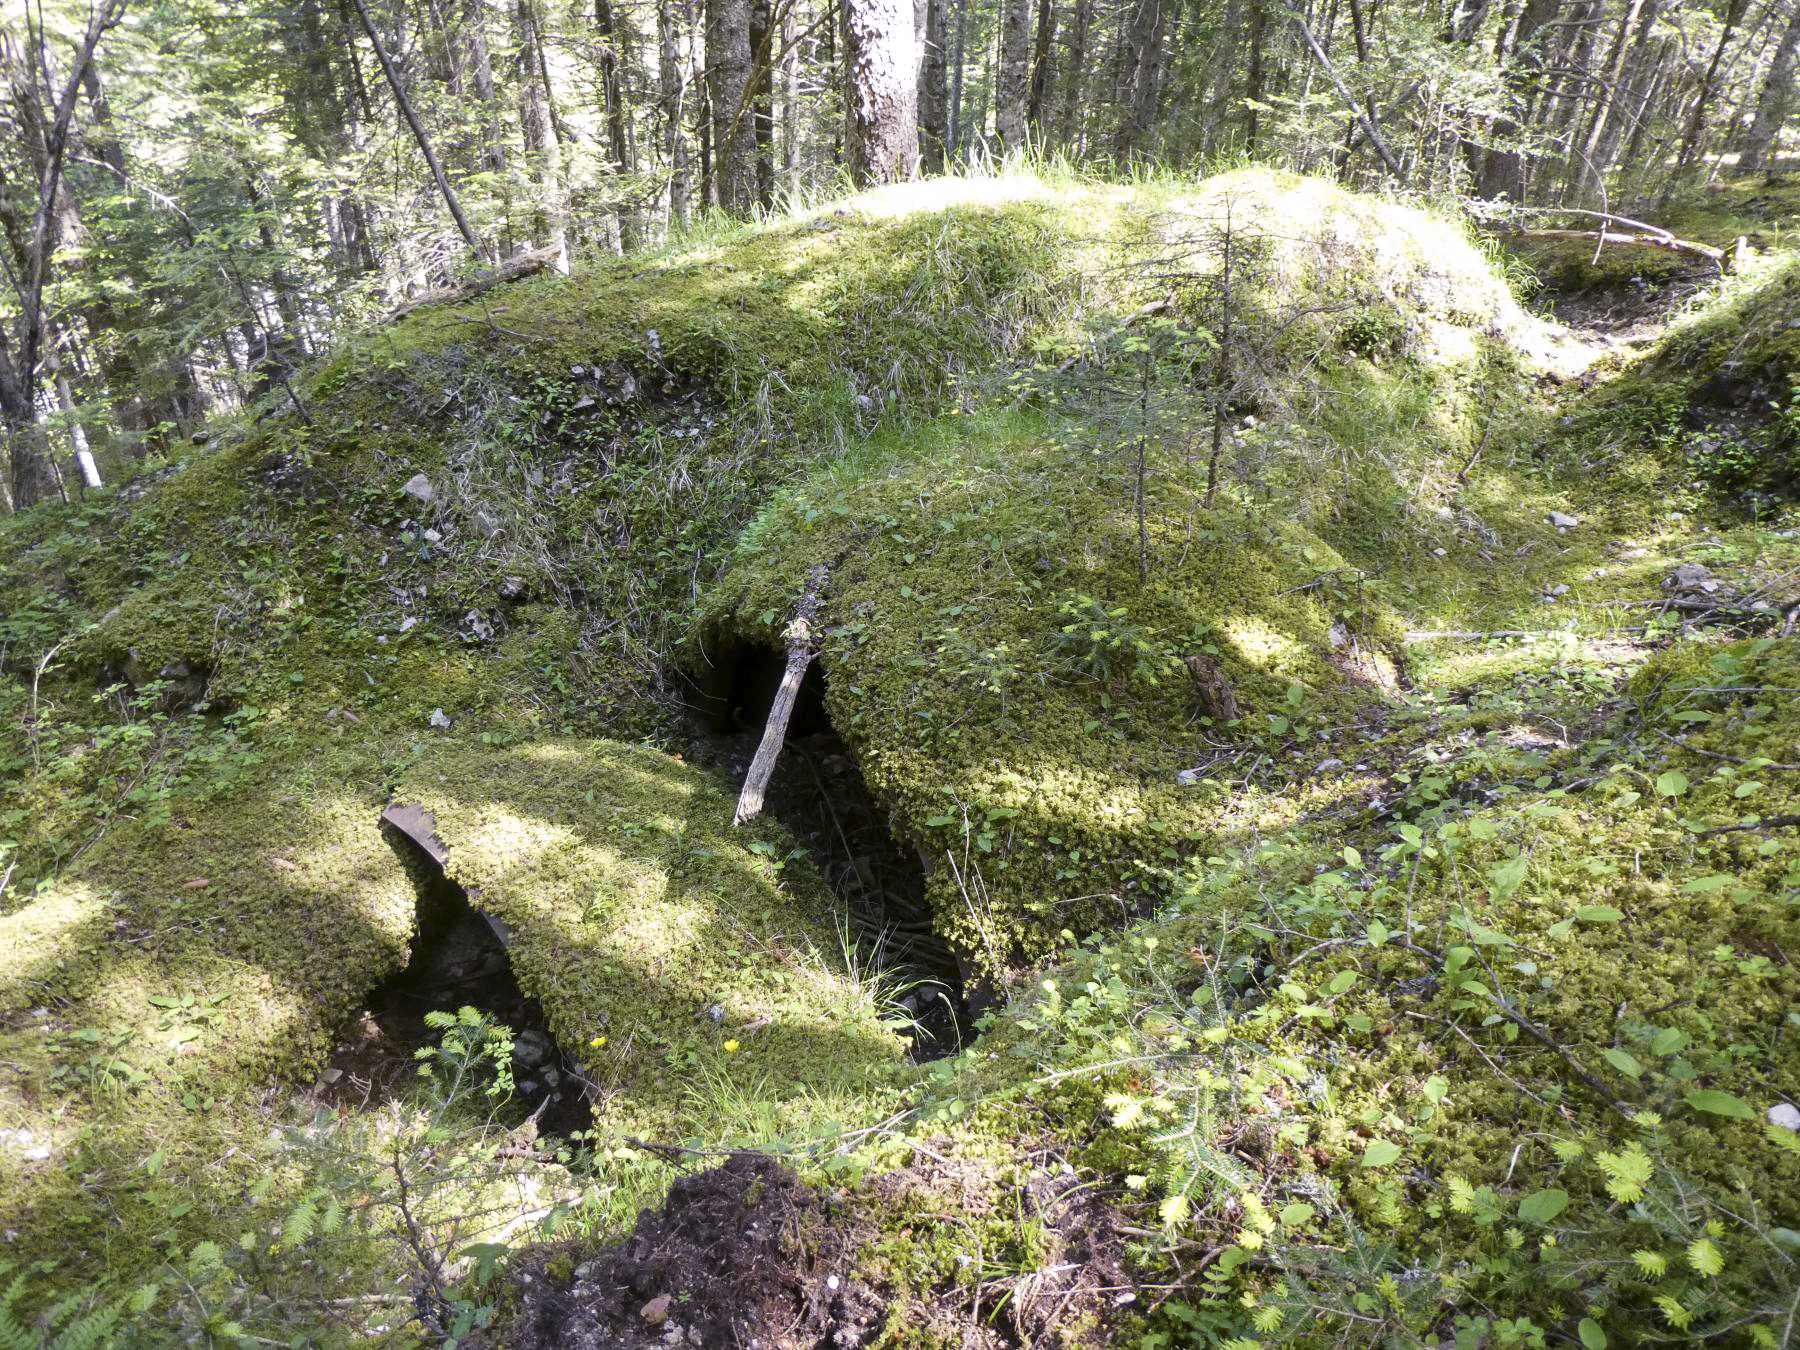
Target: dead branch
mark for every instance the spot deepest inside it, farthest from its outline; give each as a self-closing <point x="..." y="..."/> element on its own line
<point x="800" y="652"/>
<point x="513" y="269"/>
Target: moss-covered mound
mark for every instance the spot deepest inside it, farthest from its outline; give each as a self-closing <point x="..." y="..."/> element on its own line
<point x="642" y="920"/>
<point x="1163" y="531"/>
<point x="1014" y="645"/>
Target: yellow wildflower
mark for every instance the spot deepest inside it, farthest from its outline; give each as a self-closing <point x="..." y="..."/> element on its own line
<point x="597" y="1042"/>
<point x="731" y="1047"/>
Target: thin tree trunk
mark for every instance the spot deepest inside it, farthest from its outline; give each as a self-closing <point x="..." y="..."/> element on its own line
<point x="1503" y="165"/>
<point x="424" y="142"/>
<point x="34" y="472"/>
<point x="1255" y="74"/>
<point x="1772" y="106"/>
<point x="1040" y="67"/>
<point x="673" y="70"/>
<point x="762" y="95"/>
<point x="958" y="127"/>
<point x="934" y="111"/>
<point x="1077" y="65"/>
<point x="1690" y="140"/>
<point x="537" y="130"/>
<point x="790" y="104"/>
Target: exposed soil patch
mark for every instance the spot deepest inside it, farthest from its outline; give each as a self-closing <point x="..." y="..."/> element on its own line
<point x="748" y="1255"/>
<point x="743" y="1255"/>
<point x="1621" y="300"/>
<point x="458" y="959"/>
<point x="818" y="792"/>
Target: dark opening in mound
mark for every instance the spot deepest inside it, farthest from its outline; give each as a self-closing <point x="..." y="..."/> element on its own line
<point x="458" y="960"/>
<point x="818" y="792"/>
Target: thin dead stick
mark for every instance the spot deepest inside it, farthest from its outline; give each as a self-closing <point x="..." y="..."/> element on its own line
<point x="800" y="652"/>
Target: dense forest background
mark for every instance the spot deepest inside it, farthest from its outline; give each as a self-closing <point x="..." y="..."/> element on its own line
<point x="196" y="196"/>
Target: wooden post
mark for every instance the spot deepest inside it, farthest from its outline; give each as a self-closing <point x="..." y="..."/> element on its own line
<point x="800" y="652"/>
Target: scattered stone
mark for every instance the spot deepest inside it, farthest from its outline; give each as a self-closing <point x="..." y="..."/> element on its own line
<point x="1326" y="765"/>
<point x="513" y="588"/>
<point x="439" y="719"/>
<point x="38" y="1154"/>
<point x="409" y="623"/>
<point x="1190" y="778"/>
<point x="532" y="1047"/>
<point x="1562" y="520"/>
<point x="577" y="371"/>
<point x="656" y="1311"/>
<point x="433" y="537"/>
<point x="1786" y="1115"/>
<point x="1445" y="513"/>
<point x="485" y="525"/>
<point x="1440" y="552"/>
<point x="330" y="1076"/>
<point x="1559" y="590"/>
<point x="419" y="488"/>
<point x="1692" y="579"/>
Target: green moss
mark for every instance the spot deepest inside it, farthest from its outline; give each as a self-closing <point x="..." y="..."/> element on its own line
<point x="635" y="913"/>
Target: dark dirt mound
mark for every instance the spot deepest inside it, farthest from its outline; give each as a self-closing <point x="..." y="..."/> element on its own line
<point x="746" y="1255"/>
<point x="743" y="1255"/>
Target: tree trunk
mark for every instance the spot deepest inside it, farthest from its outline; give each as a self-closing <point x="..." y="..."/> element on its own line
<point x="673" y="71"/>
<point x="1068" y="122"/>
<point x="1141" y="66"/>
<point x="958" y="124"/>
<point x="934" y="110"/>
<point x="790" y="105"/>
<point x="1690" y="140"/>
<point x="1772" y="106"/>
<point x="537" y="130"/>
<point x="1503" y="166"/>
<point x="1255" y="74"/>
<point x="1013" y="79"/>
<point x="1040" y="67"/>
<point x="728" y="98"/>
<point x="762" y="100"/>
<point x="1584" y="170"/>
<point x="881" y="66"/>
<point x="418" y="130"/>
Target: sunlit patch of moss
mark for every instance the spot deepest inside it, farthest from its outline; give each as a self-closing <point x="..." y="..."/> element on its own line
<point x="635" y="913"/>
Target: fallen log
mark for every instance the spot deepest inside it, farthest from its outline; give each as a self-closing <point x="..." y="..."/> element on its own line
<point x="800" y="652"/>
<point x="1603" y="236"/>
<point x="513" y="269"/>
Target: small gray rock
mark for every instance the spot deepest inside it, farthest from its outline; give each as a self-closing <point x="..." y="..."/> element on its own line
<point x="1786" y="1115"/>
<point x="512" y="588"/>
<point x="419" y="488"/>
<point x="1190" y="778"/>
<point x="1562" y="520"/>
<point x="485" y="525"/>
<point x="433" y="537"/>
<point x="439" y="719"/>
<point x="532" y="1047"/>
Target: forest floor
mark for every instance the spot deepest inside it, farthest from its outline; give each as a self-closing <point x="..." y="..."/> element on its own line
<point x="1352" y="857"/>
